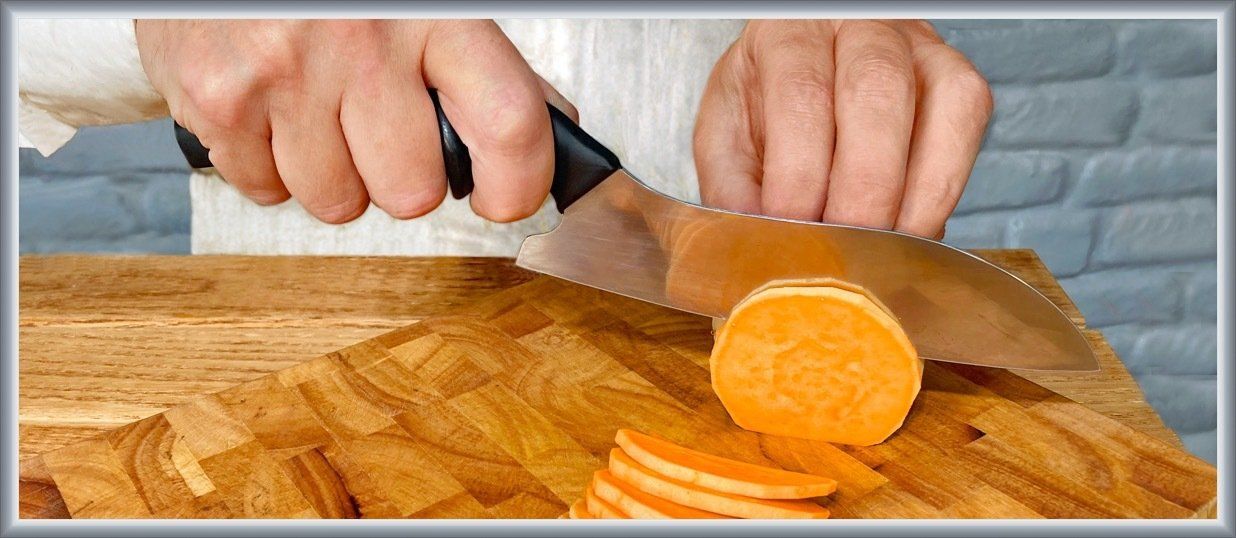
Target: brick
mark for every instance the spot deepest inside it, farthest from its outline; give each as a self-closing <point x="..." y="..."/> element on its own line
<point x="1166" y="48"/>
<point x="165" y="202"/>
<point x="1119" y="296"/>
<point x="1180" y="110"/>
<point x="1012" y="179"/>
<point x="1122" y="338"/>
<point x="1204" y="445"/>
<point x="137" y="243"/>
<point x="978" y="231"/>
<point x="1190" y="349"/>
<point x="1122" y="176"/>
<point x="148" y="146"/>
<point x="1063" y="238"/>
<point x="1157" y="232"/>
<point x="1201" y="293"/>
<point x="1063" y="115"/>
<point x="1038" y="50"/>
<point x="79" y="210"/>
<point x="1186" y="403"/>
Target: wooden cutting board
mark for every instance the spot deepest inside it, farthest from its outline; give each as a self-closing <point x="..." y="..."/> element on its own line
<point x="504" y="408"/>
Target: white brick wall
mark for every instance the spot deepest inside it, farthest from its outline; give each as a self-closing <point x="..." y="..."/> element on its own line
<point x="1101" y="156"/>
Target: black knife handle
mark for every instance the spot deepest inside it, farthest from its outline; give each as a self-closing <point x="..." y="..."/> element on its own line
<point x="580" y="162"/>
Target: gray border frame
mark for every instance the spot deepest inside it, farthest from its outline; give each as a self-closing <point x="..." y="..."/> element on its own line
<point x="1221" y="12"/>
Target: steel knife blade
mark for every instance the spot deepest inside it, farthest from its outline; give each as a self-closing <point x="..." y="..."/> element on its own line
<point x="629" y="239"/>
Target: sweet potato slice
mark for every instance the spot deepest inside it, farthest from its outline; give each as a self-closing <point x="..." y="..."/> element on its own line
<point x="601" y="509"/>
<point x="721" y="474"/>
<point x="823" y="361"/>
<point x="688" y="494"/>
<point x="579" y="510"/>
<point x="641" y="505"/>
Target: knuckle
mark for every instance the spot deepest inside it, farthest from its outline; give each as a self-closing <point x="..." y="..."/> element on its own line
<point x="879" y="79"/>
<point x="462" y="25"/>
<point x="780" y="33"/>
<point x="352" y="30"/>
<point x="969" y="84"/>
<point x="514" y="120"/>
<point x="938" y="193"/>
<point x="221" y="100"/>
<point x="756" y="29"/>
<point x="370" y="80"/>
<point x="274" y="58"/>
<point x="923" y="28"/>
<point x="806" y="92"/>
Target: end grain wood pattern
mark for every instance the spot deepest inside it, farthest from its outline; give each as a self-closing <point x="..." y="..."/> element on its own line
<point x="505" y="408"/>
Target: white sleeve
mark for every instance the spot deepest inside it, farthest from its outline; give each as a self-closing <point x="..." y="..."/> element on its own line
<point x="77" y="72"/>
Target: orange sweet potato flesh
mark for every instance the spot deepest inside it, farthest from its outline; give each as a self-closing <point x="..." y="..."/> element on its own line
<point x="721" y="474"/>
<point x="641" y="505"/>
<point x="688" y="494"/>
<point x="818" y="360"/>
<point x="579" y="510"/>
<point x="601" y="509"/>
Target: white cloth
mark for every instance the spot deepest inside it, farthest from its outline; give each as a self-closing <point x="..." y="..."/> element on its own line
<point x="636" y="83"/>
<point x="77" y="72"/>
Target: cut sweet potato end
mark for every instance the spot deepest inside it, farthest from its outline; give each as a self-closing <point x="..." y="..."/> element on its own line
<point x="579" y="510"/>
<point x="601" y="509"/>
<point x="817" y="362"/>
<point x="718" y="473"/>
<point x="639" y="504"/>
<point x="688" y="494"/>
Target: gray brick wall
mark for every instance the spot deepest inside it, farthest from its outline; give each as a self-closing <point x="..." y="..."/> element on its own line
<point x="111" y="189"/>
<point x="1101" y="156"/>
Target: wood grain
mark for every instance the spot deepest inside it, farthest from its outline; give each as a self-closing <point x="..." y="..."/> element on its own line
<point x="107" y="340"/>
<point x="505" y="407"/>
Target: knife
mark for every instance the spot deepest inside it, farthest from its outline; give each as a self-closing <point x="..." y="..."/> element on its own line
<point x="619" y="235"/>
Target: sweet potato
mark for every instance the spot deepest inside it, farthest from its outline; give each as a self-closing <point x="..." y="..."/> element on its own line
<point x="579" y="510"/>
<point x="721" y="474"/>
<point x="820" y="360"/>
<point x="688" y="494"/>
<point x="601" y="509"/>
<point x="641" y="505"/>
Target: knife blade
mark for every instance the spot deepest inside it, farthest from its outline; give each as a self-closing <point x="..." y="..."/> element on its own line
<point x="626" y="238"/>
<point x="619" y="235"/>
